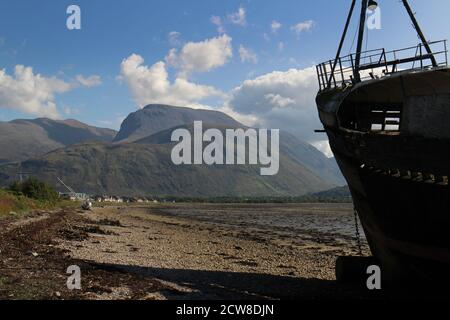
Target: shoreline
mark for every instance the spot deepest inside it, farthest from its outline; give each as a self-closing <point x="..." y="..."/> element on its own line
<point x="151" y="253"/>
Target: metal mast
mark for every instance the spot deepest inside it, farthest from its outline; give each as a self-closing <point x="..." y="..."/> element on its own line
<point x="325" y="79"/>
<point x="67" y="187"/>
<point x="419" y="32"/>
<point x="344" y="35"/>
<point x="362" y="25"/>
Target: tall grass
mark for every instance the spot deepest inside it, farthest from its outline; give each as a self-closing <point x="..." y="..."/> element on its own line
<point x="11" y="202"/>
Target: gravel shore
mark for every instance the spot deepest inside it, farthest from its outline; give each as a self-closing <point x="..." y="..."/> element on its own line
<point x="207" y="256"/>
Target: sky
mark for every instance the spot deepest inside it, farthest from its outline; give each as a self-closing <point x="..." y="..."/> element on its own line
<point x="253" y="59"/>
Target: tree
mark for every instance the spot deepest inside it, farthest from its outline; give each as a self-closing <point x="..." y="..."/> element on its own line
<point x="35" y="189"/>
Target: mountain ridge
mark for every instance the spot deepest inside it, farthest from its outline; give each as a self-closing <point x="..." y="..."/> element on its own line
<point x="133" y="169"/>
<point x="140" y="163"/>
<point x="154" y="118"/>
<point x="22" y="139"/>
<point x="302" y="152"/>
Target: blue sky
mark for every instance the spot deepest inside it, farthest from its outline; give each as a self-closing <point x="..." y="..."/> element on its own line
<point x="34" y="34"/>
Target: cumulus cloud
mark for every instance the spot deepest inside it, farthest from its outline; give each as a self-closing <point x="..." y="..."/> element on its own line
<point x="151" y="84"/>
<point x="172" y="58"/>
<point x="238" y="17"/>
<point x="197" y="105"/>
<point x="324" y="147"/>
<point x="246" y="119"/>
<point x="32" y="93"/>
<point x="202" y="56"/>
<point x="280" y="100"/>
<point x="91" y="81"/>
<point x="302" y="26"/>
<point x="217" y="21"/>
<point x="247" y="55"/>
<point x="275" y="26"/>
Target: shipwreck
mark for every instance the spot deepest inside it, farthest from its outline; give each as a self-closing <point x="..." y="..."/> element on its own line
<point x="387" y="117"/>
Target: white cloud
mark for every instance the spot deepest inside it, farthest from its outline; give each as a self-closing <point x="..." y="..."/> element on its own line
<point x="280" y="46"/>
<point x="172" y="58"/>
<point x="275" y="26"/>
<point x="238" y="17"/>
<point x="217" y="21"/>
<point x="32" y="93"/>
<point x="303" y="26"/>
<point x="246" y="119"/>
<point x="247" y="55"/>
<point x="152" y="85"/>
<point x="90" y="81"/>
<point x="196" y="105"/>
<point x="280" y="100"/>
<point x="324" y="147"/>
<point x="202" y="56"/>
<point x="174" y="38"/>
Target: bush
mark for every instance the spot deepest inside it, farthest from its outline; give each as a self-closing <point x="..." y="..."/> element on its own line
<point x="35" y="189"/>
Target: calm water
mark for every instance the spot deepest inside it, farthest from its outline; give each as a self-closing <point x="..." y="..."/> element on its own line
<point x="320" y="220"/>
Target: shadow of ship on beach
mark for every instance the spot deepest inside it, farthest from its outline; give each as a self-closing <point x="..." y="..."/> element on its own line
<point x="216" y="285"/>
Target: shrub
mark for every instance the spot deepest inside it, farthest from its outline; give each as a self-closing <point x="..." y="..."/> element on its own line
<point x="35" y="189"/>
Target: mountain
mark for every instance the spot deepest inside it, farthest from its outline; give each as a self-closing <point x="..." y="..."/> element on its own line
<point x="155" y="124"/>
<point x="309" y="156"/>
<point x="301" y="152"/>
<point x="24" y="139"/>
<point x="138" y="161"/>
<point x="135" y="169"/>
<point x="156" y="117"/>
<point x="338" y="194"/>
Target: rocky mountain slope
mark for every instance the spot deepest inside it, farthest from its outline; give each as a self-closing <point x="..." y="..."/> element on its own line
<point x="138" y="161"/>
<point x="24" y="139"/>
<point x="155" y="117"/>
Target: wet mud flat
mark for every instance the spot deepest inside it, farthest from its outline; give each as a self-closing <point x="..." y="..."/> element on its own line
<point x="181" y="251"/>
<point x="320" y="226"/>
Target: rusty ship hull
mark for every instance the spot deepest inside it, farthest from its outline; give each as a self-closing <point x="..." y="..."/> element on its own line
<point x="391" y="139"/>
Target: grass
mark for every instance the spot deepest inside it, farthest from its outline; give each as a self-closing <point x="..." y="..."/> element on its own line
<point x="19" y="204"/>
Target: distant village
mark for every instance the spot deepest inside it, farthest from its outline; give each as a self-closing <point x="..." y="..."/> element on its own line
<point x="73" y="196"/>
<point x="77" y="196"/>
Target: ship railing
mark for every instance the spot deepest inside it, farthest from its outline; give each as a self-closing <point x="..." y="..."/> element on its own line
<point x="378" y="63"/>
